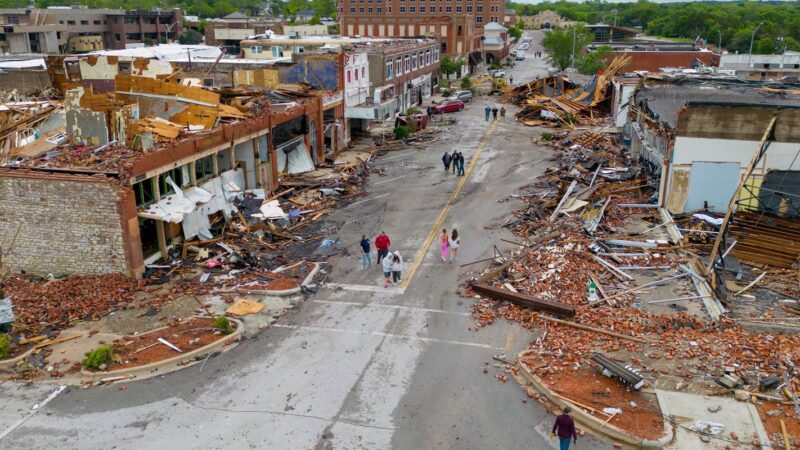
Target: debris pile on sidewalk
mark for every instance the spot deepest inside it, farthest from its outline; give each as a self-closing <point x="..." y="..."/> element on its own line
<point x="556" y="101"/>
<point x="45" y="306"/>
<point x="601" y="271"/>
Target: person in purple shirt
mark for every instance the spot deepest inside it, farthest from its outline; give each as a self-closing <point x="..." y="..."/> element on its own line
<point x="565" y="429"/>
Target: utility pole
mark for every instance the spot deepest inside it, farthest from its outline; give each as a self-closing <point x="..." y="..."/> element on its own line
<point x="720" y="41"/>
<point x="574" y="31"/>
<point x="750" y="53"/>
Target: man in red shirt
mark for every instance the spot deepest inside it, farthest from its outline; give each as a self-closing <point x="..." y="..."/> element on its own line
<point x="382" y="243"/>
<point x="565" y="428"/>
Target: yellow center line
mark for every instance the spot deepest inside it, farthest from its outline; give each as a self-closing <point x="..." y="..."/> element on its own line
<point x="443" y="215"/>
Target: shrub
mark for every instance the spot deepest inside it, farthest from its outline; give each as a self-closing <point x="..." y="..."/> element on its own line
<point x="223" y="324"/>
<point x="466" y="83"/>
<point x="547" y="137"/>
<point x="402" y="132"/>
<point x="5" y="346"/>
<point x="411" y="111"/>
<point x="98" y="357"/>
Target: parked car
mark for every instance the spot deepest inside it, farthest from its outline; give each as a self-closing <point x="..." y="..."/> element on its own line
<point x="464" y="96"/>
<point x="498" y="74"/>
<point x="448" y="106"/>
<point x="519" y="56"/>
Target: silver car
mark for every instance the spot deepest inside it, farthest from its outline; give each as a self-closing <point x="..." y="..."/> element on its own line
<point x="464" y="96"/>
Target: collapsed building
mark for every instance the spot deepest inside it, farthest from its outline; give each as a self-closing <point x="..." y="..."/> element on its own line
<point x="137" y="158"/>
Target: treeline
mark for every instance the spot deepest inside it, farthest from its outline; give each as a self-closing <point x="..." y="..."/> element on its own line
<point x="734" y="22"/>
<point x="202" y="8"/>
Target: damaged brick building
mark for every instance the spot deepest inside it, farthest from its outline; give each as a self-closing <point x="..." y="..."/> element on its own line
<point x="145" y="159"/>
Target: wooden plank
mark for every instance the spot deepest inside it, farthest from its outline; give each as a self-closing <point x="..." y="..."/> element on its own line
<point x="525" y="301"/>
<point x="57" y="341"/>
<point x="712" y="259"/>
<point x="786" y="443"/>
<point x="581" y="326"/>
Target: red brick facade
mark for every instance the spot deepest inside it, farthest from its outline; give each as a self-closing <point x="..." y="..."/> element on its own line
<point x="457" y="23"/>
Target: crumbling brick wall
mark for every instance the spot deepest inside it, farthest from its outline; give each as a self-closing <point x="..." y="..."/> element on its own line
<point x="67" y="223"/>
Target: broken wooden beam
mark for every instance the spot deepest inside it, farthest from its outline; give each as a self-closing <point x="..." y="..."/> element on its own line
<point x="581" y="326"/>
<point x="525" y="301"/>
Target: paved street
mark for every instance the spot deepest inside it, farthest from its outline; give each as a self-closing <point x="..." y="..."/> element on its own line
<point x="357" y="365"/>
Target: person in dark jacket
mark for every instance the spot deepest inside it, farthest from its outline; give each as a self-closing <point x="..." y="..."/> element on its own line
<point x="446" y="160"/>
<point x="366" y="256"/>
<point x="455" y="160"/>
<point x="460" y="164"/>
<point x="564" y="428"/>
<point x="494" y="112"/>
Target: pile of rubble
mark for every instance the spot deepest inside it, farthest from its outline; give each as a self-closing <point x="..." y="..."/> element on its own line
<point x="558" y="102"/>
<point x="594" y="254"/>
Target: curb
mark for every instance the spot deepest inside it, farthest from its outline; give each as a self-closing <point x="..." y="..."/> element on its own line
<point x="286" y="292"/>
<point x="155" y="368"/>
<point x="592" y="423"/>
<point x="8" y="364"/>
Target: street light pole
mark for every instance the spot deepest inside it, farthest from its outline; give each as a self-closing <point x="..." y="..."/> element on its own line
<point x="750" y="53"/>
<point x="574" y="30"/>
<point x="720" y="41"/>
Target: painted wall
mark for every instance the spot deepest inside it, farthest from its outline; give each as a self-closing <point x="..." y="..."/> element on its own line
<point x="356" y="78"/>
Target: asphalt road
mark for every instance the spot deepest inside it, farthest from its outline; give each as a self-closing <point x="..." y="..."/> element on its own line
<point x="356" y="365"/>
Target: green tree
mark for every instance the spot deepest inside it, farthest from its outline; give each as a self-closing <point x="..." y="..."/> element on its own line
<point x="560" y="43"/>
<point x="514" y="32"/>
<point x="293" y="6"/>
<point x="521" y="24"/>
<point x="449" y="66"/>
<point x="316" y="20"/>
<point x="222" y="8"/>
<point x="191" y="37"/>
<point x="593" y="62"/>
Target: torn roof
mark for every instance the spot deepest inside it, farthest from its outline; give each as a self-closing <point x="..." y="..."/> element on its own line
<point x="666" y="97"/>
<point x="114" y="133"/>
<point x="165" y="52"/>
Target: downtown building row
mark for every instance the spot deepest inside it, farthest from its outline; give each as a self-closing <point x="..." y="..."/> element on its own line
<point x="459" y="25"/>
<point x="58" y="30"/>
<point x="145" y="152"/>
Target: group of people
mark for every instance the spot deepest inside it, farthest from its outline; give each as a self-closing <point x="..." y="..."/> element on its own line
<point x="449" y="244"/>
<point x="392" y="263"/>
<point x="456" y="160"/>
<point x="537" y="54"/>
<point x="492" y="110"/>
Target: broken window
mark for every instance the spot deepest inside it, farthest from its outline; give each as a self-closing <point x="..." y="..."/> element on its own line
<point x="13" y="20"/>
<point x="179" y="175"/>
<point x="124" y="67"/>
<point x="204" y="168"/>
<point x="143" y="191"/>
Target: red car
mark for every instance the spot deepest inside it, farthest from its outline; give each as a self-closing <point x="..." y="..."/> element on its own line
<point x="448" y="106"/>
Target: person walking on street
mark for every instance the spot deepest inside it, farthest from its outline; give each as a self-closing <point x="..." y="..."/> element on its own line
<point x="382" y="243"/>
<point x="494" y="112"/>
<point x="397" y="267"/>
<point x="565" y="429"/>
<point x="455" y="161"/>
<point x="429" y="111"/>
<point x="487" y="111"/>
<point x="454" y="243"/>
<point x="387" y="270"/>
<point x="366" y="256"/>
<point x="444" y="243"/>
<point x="511" y="80"/>
<point x="446" y="160"/>
<point x="460" y="164"/>
<point x="502" y="112"/>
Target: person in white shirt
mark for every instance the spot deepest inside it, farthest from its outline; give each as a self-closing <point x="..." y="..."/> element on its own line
<point x="386" y="262"/>
<point x="397" y="267"/>
<point x="454" y="242"/>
